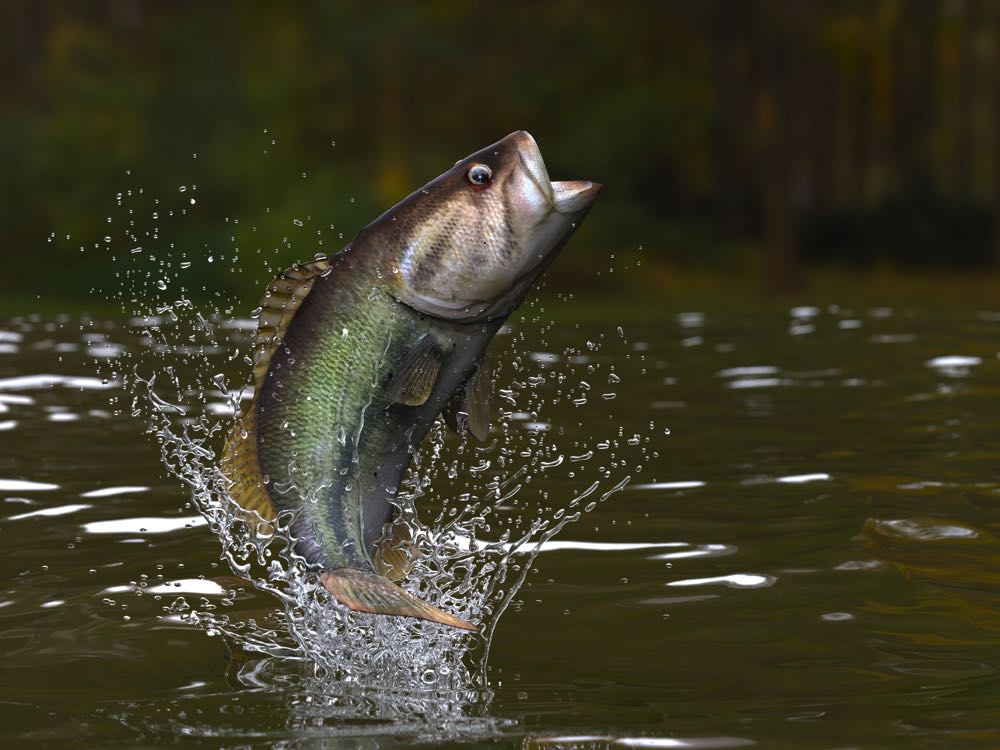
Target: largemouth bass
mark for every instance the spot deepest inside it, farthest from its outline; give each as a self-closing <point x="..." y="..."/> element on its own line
<point x="358" y="354"/>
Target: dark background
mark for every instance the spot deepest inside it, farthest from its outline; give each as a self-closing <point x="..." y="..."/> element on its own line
<point x="761" y="146"/>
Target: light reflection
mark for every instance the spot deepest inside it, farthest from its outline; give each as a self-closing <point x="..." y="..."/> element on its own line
<point x="735" y="580"/>
<point x="38" y="382"/>
<point x="111" y="491"/>
<point x="62" y="510"/>
<point x="595" y="740"/>
<point x="738" y="372"/>
<point x="23" y="485"/>
<point x="755" y="383"/>
<point x="804" y="478"/>
<point x="804" y="311"/>
<point x="836" y="616"/>
<point x="925" y="530"/>
<point x="702" y="550"/>
<point x="954" y="365"/>
<point x="145" y="525"/>
<point x="556" y="545"/>
<point x="683" y="485"/>
<point x="200" y="586"/>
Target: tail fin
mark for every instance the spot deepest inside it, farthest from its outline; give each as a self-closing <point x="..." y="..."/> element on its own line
<point x="367" y="592"/>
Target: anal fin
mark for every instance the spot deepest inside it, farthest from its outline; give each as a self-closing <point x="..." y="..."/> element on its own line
<point x="367" y="592"/>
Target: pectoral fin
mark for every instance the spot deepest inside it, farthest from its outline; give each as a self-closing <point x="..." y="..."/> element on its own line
<point x="412" y="382"/>
<point x="470" y="406"/>
<point x="367" y="592"/>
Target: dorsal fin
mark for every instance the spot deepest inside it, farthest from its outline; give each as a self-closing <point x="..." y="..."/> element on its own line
<point x="281" y="300"/>
<point x="239" y="463"/>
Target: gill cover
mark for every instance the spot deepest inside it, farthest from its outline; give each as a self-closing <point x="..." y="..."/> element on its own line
<point x="469" y="244"/>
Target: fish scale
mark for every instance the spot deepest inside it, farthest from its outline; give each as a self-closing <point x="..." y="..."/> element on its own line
<point x="329" y="385"/>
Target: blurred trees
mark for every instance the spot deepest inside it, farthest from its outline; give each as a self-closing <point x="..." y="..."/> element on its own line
<point x="855" y="131"/>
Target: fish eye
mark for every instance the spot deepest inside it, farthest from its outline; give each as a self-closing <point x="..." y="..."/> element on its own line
<point x="479" y="175"/>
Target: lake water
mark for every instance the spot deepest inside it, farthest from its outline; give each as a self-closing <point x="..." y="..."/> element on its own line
<point x="810" y="558"/>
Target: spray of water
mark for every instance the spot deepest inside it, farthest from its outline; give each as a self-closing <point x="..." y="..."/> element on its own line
<point x="473" y="511"/>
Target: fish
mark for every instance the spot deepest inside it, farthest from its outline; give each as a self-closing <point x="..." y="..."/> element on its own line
<point x="357" y="355"/>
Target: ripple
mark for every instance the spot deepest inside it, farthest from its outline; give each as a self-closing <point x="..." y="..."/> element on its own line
<point x="804" y="311"/>
<point x="564" y="544"/>
<point x="111" y="491"/>
<point x="804" y="478"/>
<point x="735" y="580"/>
<point x="701" y="550"/>
<point x="38" y="382"/>
<point x="755" y="383"/>
<point x="735" y="372"/>
<point x="61" y="510"/>
<point x="546" y="358"/>
<point x="954" y="365"/>
<point x="106" y="350"/>
<point x="691" y="319"/>
<point x="239" y="324"/>
<point x="23" y="485"/>
<point x="893" y="338"/>
<point x="556" y="545"/>
<point x="836" y="616"/>
<point x="860" y="565"/>
<point x="702" y="743"/>
<point x="221" y="410"/>
<point x="954" y="360"/>
<point x="144" y="525"/>
<point x="63" y="417"/>
<point x="199" y="586"/>
<point x="924" y="529"/>
<point x="683" y="485"/>
<point x="15" y="398"/>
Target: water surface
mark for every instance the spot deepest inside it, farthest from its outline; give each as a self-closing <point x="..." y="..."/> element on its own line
<point x="810" y="559"/>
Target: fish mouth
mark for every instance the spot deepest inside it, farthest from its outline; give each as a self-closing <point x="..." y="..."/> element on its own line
<point x="566" y="197"/>
<point x="573" y="196"/>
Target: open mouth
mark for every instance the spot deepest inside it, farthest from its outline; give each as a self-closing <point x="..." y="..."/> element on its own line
<point x="574" y="195"/>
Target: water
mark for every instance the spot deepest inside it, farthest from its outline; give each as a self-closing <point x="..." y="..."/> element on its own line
<point x="808" y="559"/>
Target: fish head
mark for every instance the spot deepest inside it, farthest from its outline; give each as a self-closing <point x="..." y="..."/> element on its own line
<point x="469" y="244"/>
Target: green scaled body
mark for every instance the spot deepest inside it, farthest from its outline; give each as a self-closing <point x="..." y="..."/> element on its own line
<point x="356" y="356"/>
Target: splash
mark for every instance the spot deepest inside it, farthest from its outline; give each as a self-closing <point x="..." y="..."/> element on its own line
<point x="473" y="511"/>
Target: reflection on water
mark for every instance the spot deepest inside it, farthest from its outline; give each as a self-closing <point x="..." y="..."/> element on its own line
<point x="811" y="559"/>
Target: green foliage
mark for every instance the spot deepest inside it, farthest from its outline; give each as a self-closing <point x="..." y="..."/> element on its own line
<point x="712" y="124"/>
